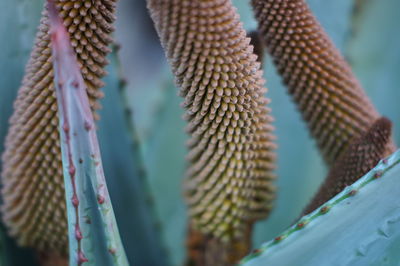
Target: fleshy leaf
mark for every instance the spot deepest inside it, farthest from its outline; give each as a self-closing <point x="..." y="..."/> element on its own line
<point x="328" y="95"/>
<point x="362" y="155"/>
<point x="127" y="180"/>
<point x="92" y="229"/>
<point x="33" y="208"/>
<point x="361" y="224"/>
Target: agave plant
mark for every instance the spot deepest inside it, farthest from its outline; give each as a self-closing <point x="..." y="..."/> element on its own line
<point x="123" y="185"/>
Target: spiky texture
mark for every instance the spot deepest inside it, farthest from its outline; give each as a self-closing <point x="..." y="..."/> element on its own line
<point x="33" y="191"/>
<point x="319" y="80"/>
<point x="362" y="155"/>
<point x="230" y="160"/>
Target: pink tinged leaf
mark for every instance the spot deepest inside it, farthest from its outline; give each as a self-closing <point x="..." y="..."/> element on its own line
<point x="80" y="149"/>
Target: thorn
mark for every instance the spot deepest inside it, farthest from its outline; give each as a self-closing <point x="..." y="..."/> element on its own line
<point x="128" y="111"/>
<point x="81" y="258"/>
<point x="65" y="127"/>
<point x="301" y="224"/>
<point x="100" y="195"/>
<point x="75" y="200"/>
<point x="87" y="125"/>
<point x="72" y="170"/>
<point x="75" y="84"/>
<point x="325" y="209"/>
<point x="87" y="219"/>
<point x="256" y="251"/>
<point x="378" y="174"/>
<point x="352" y="192"/>
<point x="78" y="233"/>
<point x="381" y="231"/>
<point x="100" y="199"/>
<point x="117" y="46"/>
<point x="123" y="82"/>
<point x="112" y="250"/>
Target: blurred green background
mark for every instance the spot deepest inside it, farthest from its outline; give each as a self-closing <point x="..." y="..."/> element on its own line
<point x="142" y="135"/>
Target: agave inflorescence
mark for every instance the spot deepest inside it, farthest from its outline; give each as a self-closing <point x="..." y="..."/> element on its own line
<point x="33" y="189"/>
<point x="322" y="84"/>
<point x="351" y="136"/>
<point x="229" y="178"/>
<point x="362" y="154"/>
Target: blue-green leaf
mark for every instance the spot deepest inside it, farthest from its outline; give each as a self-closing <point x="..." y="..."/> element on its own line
<point x="18" y="22"/>
<point x="126" y="176"/>
<point x="93" y="233"/>
<point x="374" y="53"/>
<point x="359" y="226"/>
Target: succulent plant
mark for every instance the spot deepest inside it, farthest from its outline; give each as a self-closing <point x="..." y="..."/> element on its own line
<point x="65" y="202"/>
<point x="33" y="188"/>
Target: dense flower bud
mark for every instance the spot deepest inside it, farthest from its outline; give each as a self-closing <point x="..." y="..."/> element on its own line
<point x="33" y="187"/>
<point x="362" y="155"/>
<point x="229" y="179"/>
<point x="320" y="81"/>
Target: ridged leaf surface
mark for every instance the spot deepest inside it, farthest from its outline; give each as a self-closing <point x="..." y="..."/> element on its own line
<point x="360" y="226"/>
<point x="92" y="229"/>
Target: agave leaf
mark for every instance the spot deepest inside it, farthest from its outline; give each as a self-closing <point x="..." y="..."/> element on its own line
<point x="126" y="177"/>
<point x="165" y="164"/>
<point x="359" y="226"/>
<point x="15" y="19"/>
<point x="92" y="229"/>
<point x="156" y="115"/>
<point x="373" y="51"/>
<point x="18" y="21"/>
<point x="300" y="169"/>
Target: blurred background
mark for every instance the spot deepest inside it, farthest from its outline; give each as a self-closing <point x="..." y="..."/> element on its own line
<point x="141" y="132"/>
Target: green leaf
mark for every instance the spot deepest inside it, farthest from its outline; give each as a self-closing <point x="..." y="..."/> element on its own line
<point x="300" y="169"/>
<point x="374" y="53"/>
<point x="359" y="226"/>
<point x="18" y="22"/>
<point x="126" y="177"/>
<point x="92" y="228"/>
<point x="156" y="114"/>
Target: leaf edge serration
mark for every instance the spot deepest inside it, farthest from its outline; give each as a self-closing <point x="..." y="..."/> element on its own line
<point x="378" y="172"/>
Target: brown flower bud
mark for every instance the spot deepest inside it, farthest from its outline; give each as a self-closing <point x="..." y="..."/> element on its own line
<point x="321" y="83"/>
<point x="362" y="155"/>
<point x="34" y="208"/>
<point x="229" y="179"/>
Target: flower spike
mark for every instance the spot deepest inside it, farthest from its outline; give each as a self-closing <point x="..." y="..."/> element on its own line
<point x="229" y="178"/>
<point x="320" y="81"/>
<point x="34" y="208"/>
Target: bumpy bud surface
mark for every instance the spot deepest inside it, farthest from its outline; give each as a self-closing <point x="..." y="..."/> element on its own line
<point x="319" y="80"/>
<point x="361" y="156"/>
<point x="229" y="180"/>
<point x="33" y="188"/>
